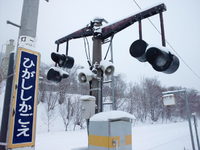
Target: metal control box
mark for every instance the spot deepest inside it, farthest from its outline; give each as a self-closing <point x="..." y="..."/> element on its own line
<point x="110" y="131"/>
<point x="88" y="106"/>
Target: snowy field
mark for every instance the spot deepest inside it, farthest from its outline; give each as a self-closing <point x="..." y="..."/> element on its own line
<point x="173" y="136"/>
<point x="160" y="136"/>
<point x="170" y="136"/>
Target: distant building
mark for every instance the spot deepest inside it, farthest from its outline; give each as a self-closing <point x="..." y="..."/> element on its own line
<point x="5" y="57"/>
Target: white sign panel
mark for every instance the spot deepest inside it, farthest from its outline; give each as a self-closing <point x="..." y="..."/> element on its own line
<point x="27" y="42"/>
<point x="169" y="99"/>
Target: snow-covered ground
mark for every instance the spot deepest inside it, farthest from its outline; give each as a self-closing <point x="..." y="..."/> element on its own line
<point x="170" y="136"/>
<point x="160" y="136"/>
<point x="173" y="136"/>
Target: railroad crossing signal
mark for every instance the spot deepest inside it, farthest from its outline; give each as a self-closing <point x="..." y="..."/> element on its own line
<point x="160" y="58"/>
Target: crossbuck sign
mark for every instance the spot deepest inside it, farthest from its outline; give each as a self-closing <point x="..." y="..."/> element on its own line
<point x="24" y="99"/>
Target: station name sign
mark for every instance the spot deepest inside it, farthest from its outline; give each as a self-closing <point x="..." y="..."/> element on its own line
<point x="24" y="99"/>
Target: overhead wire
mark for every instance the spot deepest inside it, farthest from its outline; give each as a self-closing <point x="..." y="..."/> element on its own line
<point x="109" y="47"/>
<point x="87" y="50"/>
<point x="168" y="43"/>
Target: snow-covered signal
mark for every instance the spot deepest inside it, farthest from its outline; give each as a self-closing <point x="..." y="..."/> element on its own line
<point x="62" y="60"/>
<point x="57" y="74"/>
<point x="160" y="58"/>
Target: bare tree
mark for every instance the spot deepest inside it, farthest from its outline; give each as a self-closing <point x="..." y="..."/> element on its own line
<point x="66" y="111"/>
<point x="50" y="101"/>
<point x="145" y="99"/>
<point x="119" y="92"/>
<point x="153" y="97"/>
<point x="134" y="95"/>
<point x="194" y="100"/>
<point x="77" y="113"/>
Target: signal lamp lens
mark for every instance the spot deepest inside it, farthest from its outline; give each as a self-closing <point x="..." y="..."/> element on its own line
<point x="62" y="60"/>
<point x="56" y="75"/>
<point x="161" y="60"/>
<point x="138" y="49"/>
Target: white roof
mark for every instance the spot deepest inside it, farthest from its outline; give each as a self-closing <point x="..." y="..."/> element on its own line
<point x="112" y="115"/>
<point x="168" y="95"/>
<point x="87" y="98"/>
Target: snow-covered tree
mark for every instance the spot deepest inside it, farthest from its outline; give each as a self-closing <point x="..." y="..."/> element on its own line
<point x="66" y="111"/>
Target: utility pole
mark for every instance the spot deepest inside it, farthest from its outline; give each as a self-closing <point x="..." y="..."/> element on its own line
<point x="29" y="18"/>
<point x="189" y="120"/>
<point x="96" y="85"/>
<point x="27" y="28"/>
<point x="114" y="103"/>
<point x="196" y="130"/>
<point x="6" y="105"/>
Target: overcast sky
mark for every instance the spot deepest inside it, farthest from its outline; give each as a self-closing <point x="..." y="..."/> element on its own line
<point x="62" y="17"/>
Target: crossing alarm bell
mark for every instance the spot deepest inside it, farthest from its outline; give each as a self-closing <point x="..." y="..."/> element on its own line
<point x="107" y="67"/>
<point x="85" y="75"/>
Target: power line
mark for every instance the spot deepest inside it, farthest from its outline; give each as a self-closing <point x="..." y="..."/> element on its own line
<point x="168" y="43"/>
<point x="87" y="50"/>
<point x="109" y="47"/>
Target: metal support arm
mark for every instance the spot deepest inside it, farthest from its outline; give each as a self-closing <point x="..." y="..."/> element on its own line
<point x="122" y="24"/>
<point x="116" y="27"/>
